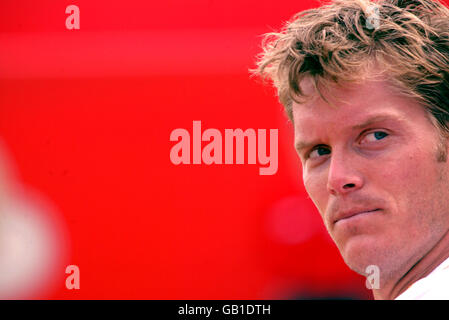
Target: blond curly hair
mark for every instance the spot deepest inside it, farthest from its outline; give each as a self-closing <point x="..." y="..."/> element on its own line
<point x="337" y="43"/>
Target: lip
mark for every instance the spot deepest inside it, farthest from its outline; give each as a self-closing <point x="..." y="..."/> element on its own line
<point x="345" y="215"/>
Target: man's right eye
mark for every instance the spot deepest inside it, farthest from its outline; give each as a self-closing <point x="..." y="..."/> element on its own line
<point x="319" y="151"/>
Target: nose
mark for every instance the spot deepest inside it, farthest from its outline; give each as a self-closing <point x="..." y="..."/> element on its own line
<point x="343" y="176"/>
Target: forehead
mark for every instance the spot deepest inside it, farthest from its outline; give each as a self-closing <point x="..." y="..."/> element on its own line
<point x="352" y="106"/>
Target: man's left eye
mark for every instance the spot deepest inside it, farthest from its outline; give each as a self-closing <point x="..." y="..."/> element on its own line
<point x="375" y="136"/>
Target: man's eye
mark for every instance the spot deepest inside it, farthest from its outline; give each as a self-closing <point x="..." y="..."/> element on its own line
<point x="318" y="152"/>
<point x="375" y="136"/>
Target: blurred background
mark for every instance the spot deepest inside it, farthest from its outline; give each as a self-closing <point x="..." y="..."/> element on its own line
<point x="85" y="121"/>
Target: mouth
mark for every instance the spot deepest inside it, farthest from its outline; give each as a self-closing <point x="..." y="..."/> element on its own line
<point x="351" y="214"/>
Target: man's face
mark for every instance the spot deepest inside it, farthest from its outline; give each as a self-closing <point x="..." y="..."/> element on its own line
<point x="370" y="166"/>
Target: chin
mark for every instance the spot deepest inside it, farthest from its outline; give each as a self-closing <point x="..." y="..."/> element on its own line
<point x="359" y="252"/>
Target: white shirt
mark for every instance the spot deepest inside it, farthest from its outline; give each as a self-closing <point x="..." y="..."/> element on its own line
<point x="435" y="286"/>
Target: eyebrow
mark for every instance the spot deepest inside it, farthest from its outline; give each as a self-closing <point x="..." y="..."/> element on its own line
<point x="300" y="145"/>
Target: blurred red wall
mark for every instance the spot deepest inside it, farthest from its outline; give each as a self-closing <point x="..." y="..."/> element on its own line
<point x="87" y="115"/>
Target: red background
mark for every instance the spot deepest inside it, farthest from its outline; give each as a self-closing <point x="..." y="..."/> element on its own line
<point x="87" y="114"/>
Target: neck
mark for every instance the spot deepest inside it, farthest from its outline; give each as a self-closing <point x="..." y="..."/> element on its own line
<point x="419" y="270"/>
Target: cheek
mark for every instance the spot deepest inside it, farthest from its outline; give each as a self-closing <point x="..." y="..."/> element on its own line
<point x="315" y="185"/>
<point x="410" y="173"/>
<point x="411" y="185"/>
